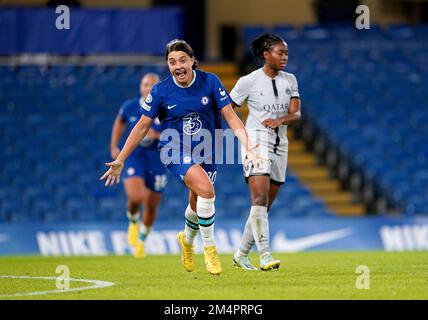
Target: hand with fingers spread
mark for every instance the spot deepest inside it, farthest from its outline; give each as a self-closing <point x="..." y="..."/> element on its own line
<point x="252" y="154"/>
<point x="272" y="123"/>
<point x="113" y="173"/>
<point x="137" y="134"/>
<point x="254" y="159"/>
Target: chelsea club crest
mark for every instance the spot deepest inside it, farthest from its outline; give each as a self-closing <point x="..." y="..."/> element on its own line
<point x="205" y="100"/>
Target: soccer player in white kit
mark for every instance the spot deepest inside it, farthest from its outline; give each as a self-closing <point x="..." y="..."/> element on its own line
<point x="274" y="103"/>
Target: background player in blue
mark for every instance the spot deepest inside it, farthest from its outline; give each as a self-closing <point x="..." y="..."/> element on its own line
<point x="187" y="102"/>
<point x="144" y="174"/>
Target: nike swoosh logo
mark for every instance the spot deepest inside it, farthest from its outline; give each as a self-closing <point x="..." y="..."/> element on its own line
<point x="281" y="243"/>
<point x="173" y="106"/>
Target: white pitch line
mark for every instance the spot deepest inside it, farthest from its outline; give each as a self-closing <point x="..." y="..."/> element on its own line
<point x="97" y="284"/>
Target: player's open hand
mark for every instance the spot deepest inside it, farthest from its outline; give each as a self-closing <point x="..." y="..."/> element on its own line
<point x="253" y="155"/>
<point x="255" y="160"/>
<point x="271" y="123"/>
<point x="113" y="173"/>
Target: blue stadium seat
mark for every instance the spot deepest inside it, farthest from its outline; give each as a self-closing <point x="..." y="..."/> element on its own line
<point x="379" y="133"/>
<point x="287" y="32"/>
<point x="249" y="33"/>
<point x="401" y="31"/>
<point x="315" y="32"/>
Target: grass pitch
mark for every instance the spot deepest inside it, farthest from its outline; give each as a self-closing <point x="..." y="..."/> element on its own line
<point x="313" y="275"/>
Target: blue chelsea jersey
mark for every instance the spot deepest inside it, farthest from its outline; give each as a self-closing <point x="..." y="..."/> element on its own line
<point x="130" y="114"/>
<point x="192" y="112"/>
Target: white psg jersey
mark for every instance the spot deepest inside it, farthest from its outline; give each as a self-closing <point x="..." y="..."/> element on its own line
<point x="267" y="98"/>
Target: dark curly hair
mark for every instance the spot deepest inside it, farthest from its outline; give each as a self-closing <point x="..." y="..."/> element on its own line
<point x="263" y="43"/>
<point x="180" y="45"/>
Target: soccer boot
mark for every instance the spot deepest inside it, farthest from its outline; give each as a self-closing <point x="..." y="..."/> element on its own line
<point x="243" y="262"/>
<point x="267" y="262"/>
<point x="211" y="260"/>
<point x="187" y="252"/>
<point x="133" y="230"/>
<point x="139" y="250"/>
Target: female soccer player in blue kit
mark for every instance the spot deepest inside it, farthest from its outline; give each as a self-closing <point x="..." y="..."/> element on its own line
<point x="144" y="174"/>
<point x="188" y="101"/>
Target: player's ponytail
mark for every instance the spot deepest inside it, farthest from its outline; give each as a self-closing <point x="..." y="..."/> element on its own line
<point x="181" y="45"/>
<point x="264" y="43"/>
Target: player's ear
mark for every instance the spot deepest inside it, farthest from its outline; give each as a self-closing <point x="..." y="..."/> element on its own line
<point x="195" y="63"/>
<point x="265" y="54"/>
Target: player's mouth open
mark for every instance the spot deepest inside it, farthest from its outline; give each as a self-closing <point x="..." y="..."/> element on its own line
<point x="181" y="74"/>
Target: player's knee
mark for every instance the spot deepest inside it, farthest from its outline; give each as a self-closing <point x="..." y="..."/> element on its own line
<point x="207" y="191"/>
<point x="208" y="194"/>
<point x="259" y="200"/>
<point x="136" y="199"/>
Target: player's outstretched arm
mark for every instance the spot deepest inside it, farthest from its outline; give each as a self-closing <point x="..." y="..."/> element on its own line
<point x="137" y="134"/>
<point x="154" y="134"/>
<point x="116" y="134"/>
<point x="239" y="130"/>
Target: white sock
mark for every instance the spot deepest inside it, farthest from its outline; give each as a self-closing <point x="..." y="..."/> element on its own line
<point x="206" y="217"/>
<point x="238" y="253"/>
<point x="191" y="225"/>
<point x="144" y="232"/>
<point x="133" y="217"/>
<point x="260" y="227"/>
<point x="247" y="240"/>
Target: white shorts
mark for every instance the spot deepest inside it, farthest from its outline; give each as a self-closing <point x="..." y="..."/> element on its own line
<point x="275" y="167"/>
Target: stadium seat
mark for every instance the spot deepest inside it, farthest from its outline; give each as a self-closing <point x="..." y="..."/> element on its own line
<point x="249" y="33"/>
<point x="378" y="133"/>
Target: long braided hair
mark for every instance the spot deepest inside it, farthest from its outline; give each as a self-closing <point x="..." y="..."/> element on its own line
<point x="263" y="43"/>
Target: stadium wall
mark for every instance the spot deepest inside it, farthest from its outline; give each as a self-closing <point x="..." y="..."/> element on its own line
<point x="239" y="13"/>
<point x="92" y="31"/>
<point x="287" y="235"/>
<point x="268" y="12"/>
<point x="85" y="3"/>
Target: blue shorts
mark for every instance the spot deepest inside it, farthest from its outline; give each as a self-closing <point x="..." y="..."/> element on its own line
<point x="154" y="176"/>
<point x="180" y="170"/>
